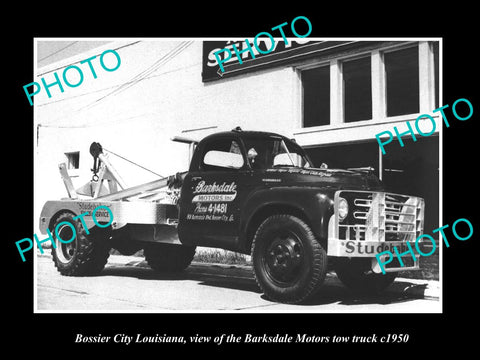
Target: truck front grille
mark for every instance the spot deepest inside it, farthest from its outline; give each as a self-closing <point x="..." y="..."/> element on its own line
<point x="379" y="216"/>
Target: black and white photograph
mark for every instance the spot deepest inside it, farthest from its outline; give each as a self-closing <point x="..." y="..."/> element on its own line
<point x="253" y="183"/>
<point x="257" y="189"/>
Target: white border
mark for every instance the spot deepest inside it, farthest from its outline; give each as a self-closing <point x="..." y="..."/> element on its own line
<point x="97" y="49"/>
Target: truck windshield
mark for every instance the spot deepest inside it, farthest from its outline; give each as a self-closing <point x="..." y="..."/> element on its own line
<point x="265" y="153"/>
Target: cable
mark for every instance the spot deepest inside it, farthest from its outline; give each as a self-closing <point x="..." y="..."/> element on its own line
<point x="78" y="62"/>
<point x="144" y="168"/>
<point x="114" y="86"/>
<point x="143" y="74"/>
<point x="56" y="52"/>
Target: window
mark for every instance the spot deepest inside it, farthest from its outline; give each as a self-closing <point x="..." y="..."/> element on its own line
<point x="73" y="160"/>
<point x="316" y="96"/>
<point x="224" y="154"/>
<point x="402" y="81"/>
<point x="357" y="85"/>
<point x="274" y="152"/>
<point x="372" y="83"/>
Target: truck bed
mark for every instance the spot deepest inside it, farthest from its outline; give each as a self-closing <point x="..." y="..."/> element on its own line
<point x="149" y="203"/>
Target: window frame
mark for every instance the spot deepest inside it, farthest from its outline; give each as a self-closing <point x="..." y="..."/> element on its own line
<point x="427" y="81"/>
<point x="206" y="148"/>
<point x="68" y="156"/>
<point x="342" y="64"/>
<point x="384" y="80"/>
<point x="73" y="172"/>
<point x="302" y="91"/>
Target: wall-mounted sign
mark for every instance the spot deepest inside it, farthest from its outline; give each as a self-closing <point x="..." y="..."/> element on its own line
<point x="252" y="59"/>
<point x="295" y="51"/>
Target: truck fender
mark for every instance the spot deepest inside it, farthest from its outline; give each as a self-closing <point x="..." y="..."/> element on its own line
<point x="313" y="205"/>
<point x="53" y="208"/>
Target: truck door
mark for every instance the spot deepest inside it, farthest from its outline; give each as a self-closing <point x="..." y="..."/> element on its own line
<point x="213" y="193"/>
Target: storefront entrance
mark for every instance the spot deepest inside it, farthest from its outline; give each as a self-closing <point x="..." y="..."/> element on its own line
<point x="411" y="170"/>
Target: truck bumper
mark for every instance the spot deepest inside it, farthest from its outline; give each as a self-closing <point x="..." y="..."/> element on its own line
<point x="369" y="249"/>
<point x="377" y="222"/>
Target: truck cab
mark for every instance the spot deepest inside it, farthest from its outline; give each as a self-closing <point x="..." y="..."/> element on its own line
<point x="225" y="173"/>
<point x="235" y="176"/>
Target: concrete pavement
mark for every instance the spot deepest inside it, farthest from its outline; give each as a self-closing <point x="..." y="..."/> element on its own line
<point x="127" y="283"/>
<point x="425" y="289"/>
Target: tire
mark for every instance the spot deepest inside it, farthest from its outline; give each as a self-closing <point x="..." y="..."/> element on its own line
<point x="85" y="254"/>
<point x="168" y="257"/>
<point x="289" y="263"/>
<point x="356" y="275"/>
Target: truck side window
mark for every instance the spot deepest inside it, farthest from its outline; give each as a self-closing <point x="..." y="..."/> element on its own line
<point x="268" y="153"/>
<point x="221" y="155"/>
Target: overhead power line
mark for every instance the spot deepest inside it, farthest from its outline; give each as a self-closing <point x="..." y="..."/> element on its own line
<point x="143" y="74"/>
<point x="56" y="52"/>
<point x="78" y="62"/>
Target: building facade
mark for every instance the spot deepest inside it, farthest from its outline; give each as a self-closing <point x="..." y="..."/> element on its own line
<point x="332" y="96"/>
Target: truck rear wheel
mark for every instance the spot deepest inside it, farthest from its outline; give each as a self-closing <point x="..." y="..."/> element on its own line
<point x="289" y="263"/>
<point x="168" y="257"/>
<point x="84" y="254"/>
<point x="356" y="274"/>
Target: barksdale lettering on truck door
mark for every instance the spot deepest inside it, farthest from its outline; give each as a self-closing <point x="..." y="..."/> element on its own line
<point x="215" y="208"/>
<point x="228" y="192"/>
<point x="212" y="201"/>
<point x="224" y="218"/>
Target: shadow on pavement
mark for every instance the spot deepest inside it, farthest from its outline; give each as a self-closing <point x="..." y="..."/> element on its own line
<point x="242" y="279"/>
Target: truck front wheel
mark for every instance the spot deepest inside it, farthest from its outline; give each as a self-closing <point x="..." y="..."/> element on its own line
<point x="168" y="257"/>
<point x="78" y="254"/>
<point x="289" y="263"/>
<point x="356" y="274"/>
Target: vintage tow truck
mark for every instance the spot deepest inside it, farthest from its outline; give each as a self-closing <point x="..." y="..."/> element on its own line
<point x="251" y="192"/>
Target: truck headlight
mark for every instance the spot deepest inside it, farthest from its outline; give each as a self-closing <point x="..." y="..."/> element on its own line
<point x="342" y="208"/>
